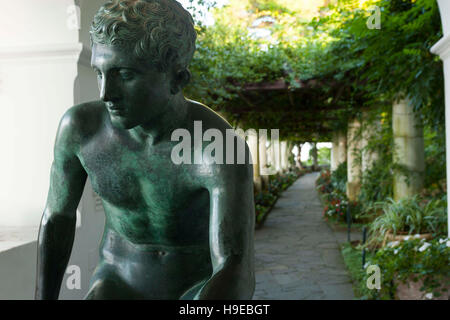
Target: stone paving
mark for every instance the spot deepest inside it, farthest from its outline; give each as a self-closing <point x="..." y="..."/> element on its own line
<point x="297" y="254"/>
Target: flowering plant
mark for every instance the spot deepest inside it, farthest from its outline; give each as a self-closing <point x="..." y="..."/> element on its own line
<point x="337" y="205"/>
<point x="417" y="260"/>
<point x="323" y="182"/>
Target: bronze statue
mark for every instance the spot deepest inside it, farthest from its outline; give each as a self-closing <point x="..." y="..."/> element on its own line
<point x="173" y="231"/>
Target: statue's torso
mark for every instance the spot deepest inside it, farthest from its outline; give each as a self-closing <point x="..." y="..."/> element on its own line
<point x="146" y="197"/>
<point x="149" y="201"/>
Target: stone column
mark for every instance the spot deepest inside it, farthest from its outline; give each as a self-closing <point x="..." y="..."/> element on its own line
<point x="283" y="160"/>
<point x="254" y="150"/>
<point x="409" y="150"/>
<point x="263" y="160"/>
<point x="442" y="48"/>
<point x="370" y="128"/>
<point x="289" y="147"/>
<point x="315" y="156"/>
<point x="334" y="152"/>
<point x="342" y="150"/>
<point x="274" y="151"/>
<point x="270" y="158"/>
<point x="339" y="149"/>
<point x="299" y="156"/>
<point x="353" y="160"/>
<point x="278" y="159"/>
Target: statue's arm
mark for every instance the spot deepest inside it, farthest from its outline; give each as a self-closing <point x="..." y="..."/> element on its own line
<point x="231" y="233"/>
<point x="58" y="224"/>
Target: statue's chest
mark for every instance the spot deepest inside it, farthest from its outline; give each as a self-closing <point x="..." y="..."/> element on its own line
<point x="137" y="179"/>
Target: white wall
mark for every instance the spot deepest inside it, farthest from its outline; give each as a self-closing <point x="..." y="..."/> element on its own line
<point x="44" y="70"/>
<point x="31" y="22"/>
<point x="34" y="95"/>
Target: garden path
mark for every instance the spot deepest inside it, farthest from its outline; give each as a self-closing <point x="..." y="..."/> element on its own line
<point x="297" y="254"/>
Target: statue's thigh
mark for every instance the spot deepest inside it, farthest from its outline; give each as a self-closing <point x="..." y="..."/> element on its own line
<point x="107" y="285"/>
<point x="192" y="292"/>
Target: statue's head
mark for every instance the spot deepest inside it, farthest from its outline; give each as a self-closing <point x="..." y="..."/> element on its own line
<point x="141" y="50"/>
<point x="160" y="32"/>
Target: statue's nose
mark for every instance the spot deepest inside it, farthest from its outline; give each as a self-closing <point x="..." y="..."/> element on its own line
<point x="108" y="90"/>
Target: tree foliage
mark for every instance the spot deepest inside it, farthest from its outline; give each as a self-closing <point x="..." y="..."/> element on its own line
<point x="262" y="41"/>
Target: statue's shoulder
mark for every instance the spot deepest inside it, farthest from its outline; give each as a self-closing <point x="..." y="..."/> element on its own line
<point x="83" y="118"/>
<point x="209" y="118"/>
<point x="212" y="120"/>
<point x="80" y="121"/>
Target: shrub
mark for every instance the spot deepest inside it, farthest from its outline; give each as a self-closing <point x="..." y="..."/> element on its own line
<point x="339" y="178"/>
<point x="377" y="183"/>
<point x="416" y="259"/>
<point x="410" y="215"/>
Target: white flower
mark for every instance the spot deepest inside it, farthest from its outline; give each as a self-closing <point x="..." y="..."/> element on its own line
<point x="441" y="241"/>
<point x="417" y="236"/>
<point x="407" y="238"/>
<point x="393" y="244"/>
<point x="396" y="251"/>
<point x="424" y="246"/>
<point x="448" y="243"/>
<point x="429" y="296"/>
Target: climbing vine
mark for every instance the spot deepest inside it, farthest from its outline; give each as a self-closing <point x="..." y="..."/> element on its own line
<point x="262" y="41"/>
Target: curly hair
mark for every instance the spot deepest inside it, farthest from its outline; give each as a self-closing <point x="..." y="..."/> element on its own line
<point x="160" y="32"/>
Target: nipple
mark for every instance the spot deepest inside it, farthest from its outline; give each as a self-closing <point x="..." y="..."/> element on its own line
<point x="162" y="253"/>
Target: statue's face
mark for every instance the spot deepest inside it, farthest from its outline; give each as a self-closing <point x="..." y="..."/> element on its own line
<point x="134" y="93"/>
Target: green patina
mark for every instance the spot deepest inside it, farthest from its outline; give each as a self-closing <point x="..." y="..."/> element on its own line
<point x="172" y="231"/>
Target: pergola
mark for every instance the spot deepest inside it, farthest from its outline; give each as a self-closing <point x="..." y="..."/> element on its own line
<point x="309" y="110"/>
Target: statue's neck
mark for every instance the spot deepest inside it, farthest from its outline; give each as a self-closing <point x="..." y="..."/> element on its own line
<point x="160" y="129"/>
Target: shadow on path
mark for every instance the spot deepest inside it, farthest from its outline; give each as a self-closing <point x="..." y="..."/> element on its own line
<point x="297" y="254"/>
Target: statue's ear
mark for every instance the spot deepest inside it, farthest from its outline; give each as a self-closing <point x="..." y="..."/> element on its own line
<point x="180" y="80"/>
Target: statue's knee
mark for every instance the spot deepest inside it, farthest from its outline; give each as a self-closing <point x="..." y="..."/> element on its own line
<point x="110" y="289"/>
<point x="100" y="290"/>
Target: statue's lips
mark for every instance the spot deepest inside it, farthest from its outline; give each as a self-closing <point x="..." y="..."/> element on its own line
<point x="115" y="110"/>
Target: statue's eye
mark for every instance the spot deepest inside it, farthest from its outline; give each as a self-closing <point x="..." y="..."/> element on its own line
<point x="126" y="74"/>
